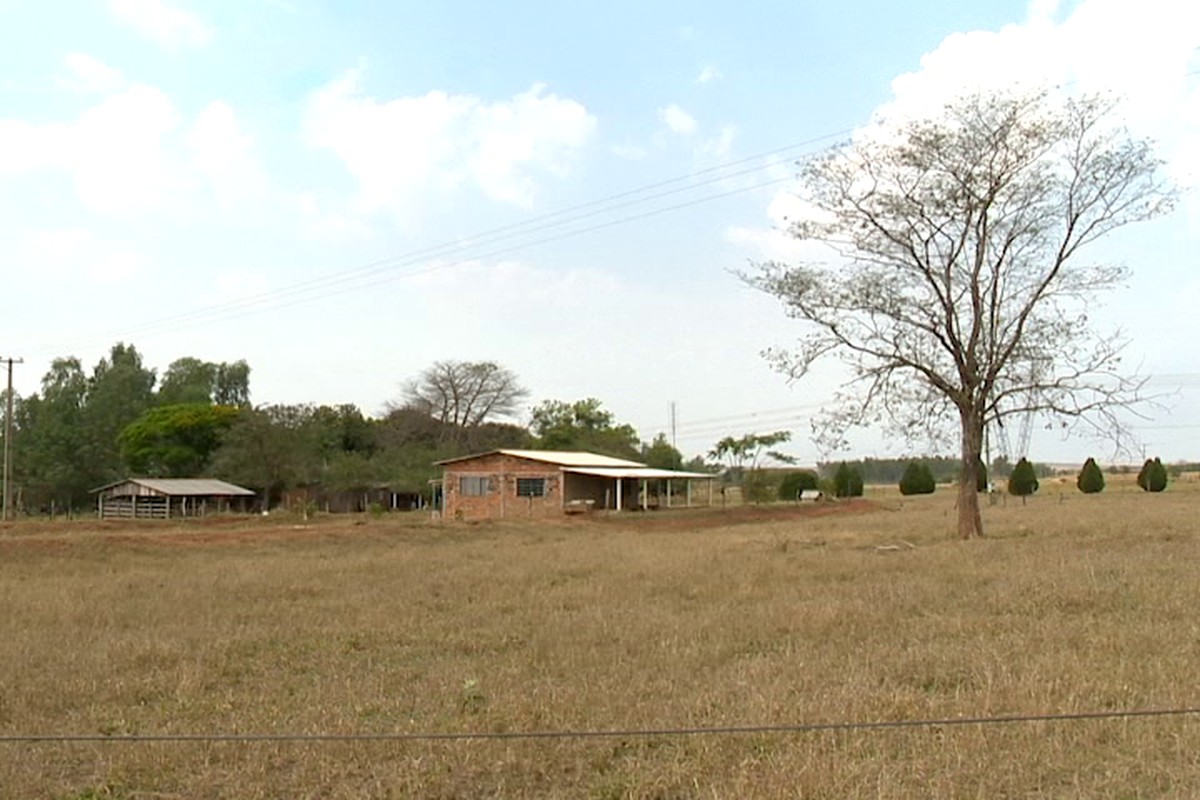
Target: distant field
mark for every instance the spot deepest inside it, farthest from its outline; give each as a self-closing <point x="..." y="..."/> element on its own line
<point x="867" y="611"/>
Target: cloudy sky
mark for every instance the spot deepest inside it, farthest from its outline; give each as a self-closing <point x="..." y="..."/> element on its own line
<point x="344" y="192"/>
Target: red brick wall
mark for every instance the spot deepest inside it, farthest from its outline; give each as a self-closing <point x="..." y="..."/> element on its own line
<point x="501" y="501"/>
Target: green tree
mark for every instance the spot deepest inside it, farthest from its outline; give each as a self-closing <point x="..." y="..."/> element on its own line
<point x="120" y="389"/>
<point x="190" y="380"/>
<point x="270" y="449"/>
<point x="793" y="483"/>
<point x="582" y="425"/>
<point x="49" y="438"/>
<point x="847" y="481"/>
<point x="1153" y="476"/>
<point x="174" y="441"/>
<point x="661" y="454"/>
<point x="917" y="479"/>
<point x="961" y="294"/>
<point x="1023" y="481"/>
<point x="1091" y="478"/>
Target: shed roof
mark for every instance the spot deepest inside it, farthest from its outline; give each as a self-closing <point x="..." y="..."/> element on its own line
<point x="650" y="473"/>
<point x="562" y="458"/>
<point x="190" y="487"/>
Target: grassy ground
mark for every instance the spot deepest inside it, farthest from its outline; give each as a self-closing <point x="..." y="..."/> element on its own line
<point x="859" y="612"/>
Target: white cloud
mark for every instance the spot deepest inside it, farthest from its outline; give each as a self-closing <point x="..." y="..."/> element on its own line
<point x="719" y="146"/>
<point x="131" y="152"/>
<point x="708" y="74"/>
<point x="224" y="155"/>
<point x="234" y="286"/>
<point x="401" y="149"/>
<point x="116" y="151"/>
<point x="677" y="120"/>
<point x="629" y="152"/>
<point x="156" y="20"/>
<point x="73" y="253"/>
<point x="90" y="75"/>
<point x="319" y="224"/>
<point x="1100" y="46"/>
<point x="1143" y="58"/>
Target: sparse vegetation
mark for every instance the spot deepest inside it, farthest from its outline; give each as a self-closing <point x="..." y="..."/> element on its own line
<point x="763" y="615"/>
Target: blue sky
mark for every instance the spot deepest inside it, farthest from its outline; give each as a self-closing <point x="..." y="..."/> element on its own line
<point x="342" y="193"/>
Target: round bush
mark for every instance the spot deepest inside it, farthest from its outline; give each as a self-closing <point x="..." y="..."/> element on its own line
<point x="1091" y="478"/>
<point x="917" y="479"/>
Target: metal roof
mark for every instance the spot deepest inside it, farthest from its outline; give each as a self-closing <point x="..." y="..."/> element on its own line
<point x="562" y="458"/>
<point x="650" y="473"/>
<point x="192" y="487"/>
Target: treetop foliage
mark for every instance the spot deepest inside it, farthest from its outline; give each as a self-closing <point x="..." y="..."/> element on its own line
<point x="582" y="425"/>
<point x="738" y="453"/>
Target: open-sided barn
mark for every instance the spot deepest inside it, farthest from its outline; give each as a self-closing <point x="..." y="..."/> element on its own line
<point x="163" y="498"/>
<point x="542" y="483"/>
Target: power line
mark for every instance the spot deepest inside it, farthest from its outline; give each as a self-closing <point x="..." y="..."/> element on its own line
<point x="614" y="733"/>
<point x="375" y="272"/>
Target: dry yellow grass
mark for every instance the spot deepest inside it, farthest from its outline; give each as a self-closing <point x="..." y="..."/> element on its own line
<point x="646" y="621"/>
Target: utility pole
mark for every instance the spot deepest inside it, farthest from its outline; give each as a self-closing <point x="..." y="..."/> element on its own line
<point x="672" y="423"/>
<point x="8" y="429"/>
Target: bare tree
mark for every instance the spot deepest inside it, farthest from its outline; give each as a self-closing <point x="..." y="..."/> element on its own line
<point x="465" y="394"/>
<point x="959" y="288"/>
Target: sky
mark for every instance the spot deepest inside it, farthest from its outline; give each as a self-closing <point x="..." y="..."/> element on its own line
<point x="342" y="193"/>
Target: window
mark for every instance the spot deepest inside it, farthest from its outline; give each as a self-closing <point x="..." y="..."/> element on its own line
<point x="531" y="487"/>
<point x="474" y="485"/>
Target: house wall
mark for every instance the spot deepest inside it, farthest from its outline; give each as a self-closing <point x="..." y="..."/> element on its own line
<point x="501" y="500"/>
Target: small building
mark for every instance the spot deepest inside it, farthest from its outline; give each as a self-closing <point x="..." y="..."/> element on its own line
<point x="164" y="498"/>
<point x="545" y="483"/>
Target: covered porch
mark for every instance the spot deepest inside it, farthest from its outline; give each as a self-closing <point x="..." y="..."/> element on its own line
<point x="633" y="488"/>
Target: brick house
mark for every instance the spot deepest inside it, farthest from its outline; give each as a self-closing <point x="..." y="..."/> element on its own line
<point x="545" y="483"/>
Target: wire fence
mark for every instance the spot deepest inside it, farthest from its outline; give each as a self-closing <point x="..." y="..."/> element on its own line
<point x="614" y="733"/>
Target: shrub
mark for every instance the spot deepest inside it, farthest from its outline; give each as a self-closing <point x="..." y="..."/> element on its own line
<point x="917" y="479"/>
<point x="847" y="481"/>
<point x="792" y="484"/>
<point x="1153" y="477"/>
<point x="1091" y="479"/>
<point x="1023" y="481"/>
<point x="757" y="487"/>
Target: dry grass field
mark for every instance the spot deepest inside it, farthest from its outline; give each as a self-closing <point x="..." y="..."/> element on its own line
<point x="866" y="611"/>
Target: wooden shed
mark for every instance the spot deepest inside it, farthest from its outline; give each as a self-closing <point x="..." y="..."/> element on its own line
<point x="164" y="498"/>
<point x="542" y="483"/>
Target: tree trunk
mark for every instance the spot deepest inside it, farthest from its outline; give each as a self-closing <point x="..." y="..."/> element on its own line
<point x="970" y="521"/>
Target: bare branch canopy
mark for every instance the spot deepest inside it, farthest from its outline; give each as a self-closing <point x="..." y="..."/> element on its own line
<point x="959" y="286"/>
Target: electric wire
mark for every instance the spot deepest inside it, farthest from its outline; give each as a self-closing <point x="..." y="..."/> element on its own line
<point x="375" y="272"/>
<point x="613" y="733"/>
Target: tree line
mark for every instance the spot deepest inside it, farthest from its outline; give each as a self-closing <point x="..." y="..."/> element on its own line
<point x="84" y="429"/>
